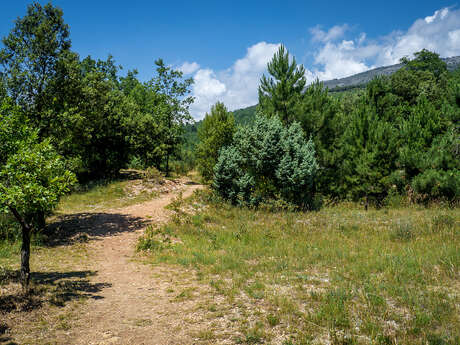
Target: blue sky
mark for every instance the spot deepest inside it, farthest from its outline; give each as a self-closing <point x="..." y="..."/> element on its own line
<point x="225" y="45"/>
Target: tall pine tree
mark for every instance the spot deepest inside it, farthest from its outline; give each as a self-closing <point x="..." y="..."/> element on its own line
<point x="280" y="93"/>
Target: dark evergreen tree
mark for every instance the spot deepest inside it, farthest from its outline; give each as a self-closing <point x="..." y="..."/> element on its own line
<point x="280" y="93"/>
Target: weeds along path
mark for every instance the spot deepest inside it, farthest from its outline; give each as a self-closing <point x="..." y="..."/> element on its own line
<point x="136" y="308"/>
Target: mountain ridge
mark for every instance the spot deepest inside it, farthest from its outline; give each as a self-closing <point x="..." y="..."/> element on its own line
<point x="361" y="79"/>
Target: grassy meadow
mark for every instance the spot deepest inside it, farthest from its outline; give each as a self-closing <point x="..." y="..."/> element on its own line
<point x="341" y="275"/>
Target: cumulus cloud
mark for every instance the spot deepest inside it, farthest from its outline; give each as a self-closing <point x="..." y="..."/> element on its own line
<point x="235" y="86"/>
<point x="333" y="33"/>
<point x="336" y="53"/>
<point x="335" y="59"/>
<point x="189" y="67"/>
<point x="437" y="14"/>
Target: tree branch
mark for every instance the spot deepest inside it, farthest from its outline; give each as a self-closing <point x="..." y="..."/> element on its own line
<point x="19" y="218"/>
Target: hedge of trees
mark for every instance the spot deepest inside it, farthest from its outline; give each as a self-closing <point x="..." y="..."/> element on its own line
<point x="93" y="116"/>
<point x="64" y="118"/>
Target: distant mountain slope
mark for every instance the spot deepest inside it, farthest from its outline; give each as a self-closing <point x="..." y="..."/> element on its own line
<point x="361" y="79"/>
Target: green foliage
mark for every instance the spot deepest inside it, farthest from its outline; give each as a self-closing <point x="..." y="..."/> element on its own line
<point x="32" y="175"/>
<point x="174" y="107"/>
<point x="10" y="230"/>
<point x="369" y="152"/>
<point x="32" y="178"/>
<point x="216" y="131"/>
<point x="279" y="94"/>
<point x="267" y="161"/>
<point x="93" y="117"/>
<point x="105" y="117"/>
<point x="153" y="174"/>
<point x="425" y="60"/>
<point x="30" y="58"/>
<point x="399" y="135"/>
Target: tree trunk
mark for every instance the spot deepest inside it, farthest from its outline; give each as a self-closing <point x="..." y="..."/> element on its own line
<point x="25" y="256"/>
<point x="24" y="276"/>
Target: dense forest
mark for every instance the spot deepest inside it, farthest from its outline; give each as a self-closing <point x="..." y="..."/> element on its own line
<point x="65" y="119"/>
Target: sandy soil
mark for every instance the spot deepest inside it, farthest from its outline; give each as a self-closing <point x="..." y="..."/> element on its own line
<point x="136" y="308"/>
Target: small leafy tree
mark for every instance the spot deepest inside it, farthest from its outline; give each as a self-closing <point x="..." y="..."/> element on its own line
<point x="172" y="110"/>
<point x="215" y="132"/>
<point x="32" y="178"/>
<point x="267" y="161"/>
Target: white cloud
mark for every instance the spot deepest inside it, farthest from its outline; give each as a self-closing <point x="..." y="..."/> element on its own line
<point x="333" y="33"/>
<point x="335" y="59"/>
<point x="430" y="34"/>
<point x="335" y="54"/>
<point x="339" y="60"/>
<point x="189" y="67"/>
<point x="236" y="86"/>
<point x="437" y="14"/>
<point x="206" y="89"/>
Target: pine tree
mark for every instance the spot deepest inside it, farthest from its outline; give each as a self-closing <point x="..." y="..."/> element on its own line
<point x="280" y="93"/>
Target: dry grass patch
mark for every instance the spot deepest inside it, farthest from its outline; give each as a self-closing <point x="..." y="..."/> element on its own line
<point x="341" y="275"/>
<point x="57" y="293"/>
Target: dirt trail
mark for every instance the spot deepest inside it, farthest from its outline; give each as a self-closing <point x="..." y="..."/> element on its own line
<point x="136" y="308"/>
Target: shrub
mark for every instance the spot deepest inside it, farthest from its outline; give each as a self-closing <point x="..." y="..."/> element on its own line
<point x="9" y="229"/>
<point x="153" y="174"/>
<point x="437" y="184"/>
<point x="267" y="161"/>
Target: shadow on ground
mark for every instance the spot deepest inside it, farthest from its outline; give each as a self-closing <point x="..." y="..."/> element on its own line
<point x="55" y="288"/>
<point x="192" y="183"/>
<point x="79" y="227"/>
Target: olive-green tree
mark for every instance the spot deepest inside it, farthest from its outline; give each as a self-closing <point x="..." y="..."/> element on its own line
<point x="32" y="177"/>
<point x="215" y="132"/>
<point x="30" y="59"/>
<point x="172" y="109"/>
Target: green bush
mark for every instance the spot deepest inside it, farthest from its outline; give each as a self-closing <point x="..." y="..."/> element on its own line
<point x="267" y="161"/>
<point x="437" y="184"/>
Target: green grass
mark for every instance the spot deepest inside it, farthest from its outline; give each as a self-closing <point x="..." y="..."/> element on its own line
<point x="343" y="274"/>
<point x="103" y="195"/>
